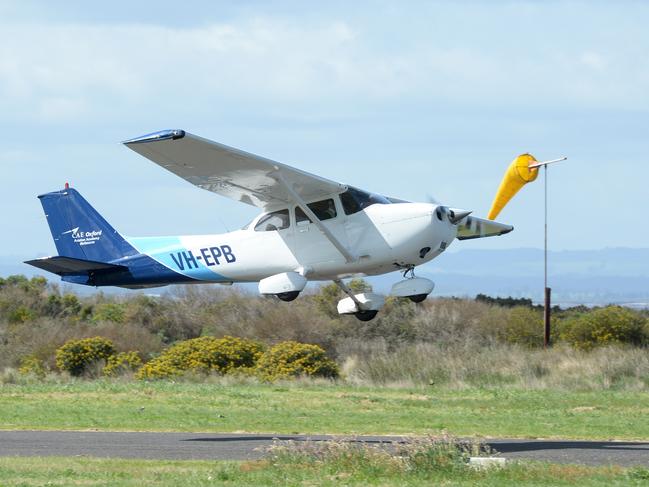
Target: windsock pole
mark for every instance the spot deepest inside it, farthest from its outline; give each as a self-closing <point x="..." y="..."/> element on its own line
<point x="547" y="308"/>
<point x="547" y="295"/>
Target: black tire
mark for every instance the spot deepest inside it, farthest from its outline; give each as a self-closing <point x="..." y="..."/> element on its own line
<point x="366" y="315"/>
<point x="418" y="298"/>
<point x="289" y="296"/>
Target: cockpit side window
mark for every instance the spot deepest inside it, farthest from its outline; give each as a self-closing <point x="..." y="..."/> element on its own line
<point x="276" y="220"/>
<point x="324" y="210"/>
<point x="355" y="200"/>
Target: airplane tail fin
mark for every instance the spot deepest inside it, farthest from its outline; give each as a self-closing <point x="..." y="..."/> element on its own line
<point x="79" y="231"/>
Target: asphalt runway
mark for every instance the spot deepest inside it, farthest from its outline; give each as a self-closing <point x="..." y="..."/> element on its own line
<point x="212" y="446"/>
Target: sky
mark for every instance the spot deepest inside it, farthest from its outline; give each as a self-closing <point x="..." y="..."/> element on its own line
<point x="413" y="100"/>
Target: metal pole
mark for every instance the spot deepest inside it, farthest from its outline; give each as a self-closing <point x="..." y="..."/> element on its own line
<point x="547" y="290"/>
<point x="545" y="233"/>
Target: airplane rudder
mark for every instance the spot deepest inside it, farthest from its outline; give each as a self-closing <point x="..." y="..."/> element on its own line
<point x="79" y="230"/>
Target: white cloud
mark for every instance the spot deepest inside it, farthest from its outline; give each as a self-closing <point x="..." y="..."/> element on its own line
<point x="72" y="70"/>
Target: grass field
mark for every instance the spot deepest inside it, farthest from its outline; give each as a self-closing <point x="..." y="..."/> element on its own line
<point x="304" y="407"/>
<point x="55" y="471"/>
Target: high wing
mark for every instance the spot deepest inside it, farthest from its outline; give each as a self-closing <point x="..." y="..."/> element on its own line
<point x="472" y="227"/>
<point x="231" y="172"/>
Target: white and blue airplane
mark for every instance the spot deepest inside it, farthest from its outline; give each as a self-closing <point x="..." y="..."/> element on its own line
<point x="310" y="229"/>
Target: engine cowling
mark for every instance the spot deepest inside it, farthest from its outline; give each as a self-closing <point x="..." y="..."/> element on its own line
<point x="286" y="286"/>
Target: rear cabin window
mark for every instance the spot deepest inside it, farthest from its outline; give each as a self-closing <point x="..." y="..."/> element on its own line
<point x="355" y="200"/>
<point x="277" y="220"/>
<point x="324" y="210"/>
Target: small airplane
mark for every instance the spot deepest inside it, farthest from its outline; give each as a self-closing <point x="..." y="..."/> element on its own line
<point x="310" y="229"/>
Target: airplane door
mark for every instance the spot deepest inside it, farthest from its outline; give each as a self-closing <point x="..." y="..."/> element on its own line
<point x="309" y="245"/>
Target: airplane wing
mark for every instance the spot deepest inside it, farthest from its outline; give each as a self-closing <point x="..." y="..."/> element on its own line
<point x="472" y="227"/>
<point x="230" y="172"/>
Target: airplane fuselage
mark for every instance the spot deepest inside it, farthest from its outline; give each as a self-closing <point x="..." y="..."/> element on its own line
<point x="382" y="238"/>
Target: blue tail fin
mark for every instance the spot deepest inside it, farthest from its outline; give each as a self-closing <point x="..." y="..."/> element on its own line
<point x="79" y="231"/>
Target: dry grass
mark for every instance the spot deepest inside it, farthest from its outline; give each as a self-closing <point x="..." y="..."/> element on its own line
<point x="467" y="365"/>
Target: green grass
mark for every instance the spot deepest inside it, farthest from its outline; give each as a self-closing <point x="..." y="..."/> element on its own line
<point x="323" y="408"/>
<point x="55" y="471"/>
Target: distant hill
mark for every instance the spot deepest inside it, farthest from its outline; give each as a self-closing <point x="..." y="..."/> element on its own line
<point x="611" y="275"/>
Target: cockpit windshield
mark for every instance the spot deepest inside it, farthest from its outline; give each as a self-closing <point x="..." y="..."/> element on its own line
<point x="355" y="200"/>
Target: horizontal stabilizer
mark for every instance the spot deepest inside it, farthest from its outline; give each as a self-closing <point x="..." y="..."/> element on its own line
<point x="68" y="265"/>
<point x="472" y="227"/>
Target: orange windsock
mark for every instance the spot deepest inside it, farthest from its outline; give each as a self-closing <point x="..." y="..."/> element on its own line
<point x="518" y="174"/>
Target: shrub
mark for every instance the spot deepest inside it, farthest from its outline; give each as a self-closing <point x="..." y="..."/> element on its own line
<point x="76" y="356"/>
<point x="122" y="363"/>
<point x="604" y="326"/>
<point x="30" y="365"/>
<point x="524" y="326"/>
<point x="204" y="355"/>
<point x="21" y="314"/>
<point x="108" y="312"/>
<point x="293" y="359"/>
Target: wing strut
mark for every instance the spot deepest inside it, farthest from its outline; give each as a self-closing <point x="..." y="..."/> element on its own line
<point x="297" y="199"/>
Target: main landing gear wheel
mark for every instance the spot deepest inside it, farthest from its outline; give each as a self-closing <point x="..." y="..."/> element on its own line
<point x="417" y="298"/>
<point x="289" y="296"/>
<point x="366" y="315"/>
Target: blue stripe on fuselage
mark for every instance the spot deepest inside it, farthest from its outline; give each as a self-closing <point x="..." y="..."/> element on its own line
<point x="141" y="270"/>
<point x="169" y="252"/>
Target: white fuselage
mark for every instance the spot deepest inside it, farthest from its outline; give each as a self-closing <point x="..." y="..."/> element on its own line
<point x="381" y="238"/>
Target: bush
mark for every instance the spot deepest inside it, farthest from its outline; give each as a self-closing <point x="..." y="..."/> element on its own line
<point x="293" y="359"/>
<point x="605" y="326"/>
<point x="108" y="312"/>
<point x="122" y="363"/>
<point x="30" y="365"/>
<point x="524" y="326"/>
<point x="204" y="355"/>
<point x="76" y="356"/>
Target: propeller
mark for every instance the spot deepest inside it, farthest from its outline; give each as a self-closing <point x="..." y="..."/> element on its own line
<point x="432" y="200"/>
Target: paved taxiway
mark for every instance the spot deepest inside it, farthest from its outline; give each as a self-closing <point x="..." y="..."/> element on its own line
<point x="204" y="446"/>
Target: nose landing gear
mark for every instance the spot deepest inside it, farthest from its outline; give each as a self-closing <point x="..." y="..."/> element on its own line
<point x="416" y="289"/>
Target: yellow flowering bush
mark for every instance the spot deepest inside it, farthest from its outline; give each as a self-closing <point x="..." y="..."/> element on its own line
<point x="122" y="363"/>
<point x="30" y="365"/>
<point x="204" y="355"/>
<point x="605" y="326"/>
<point x="75" y="356"/>
<point x="294" y="359"/>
